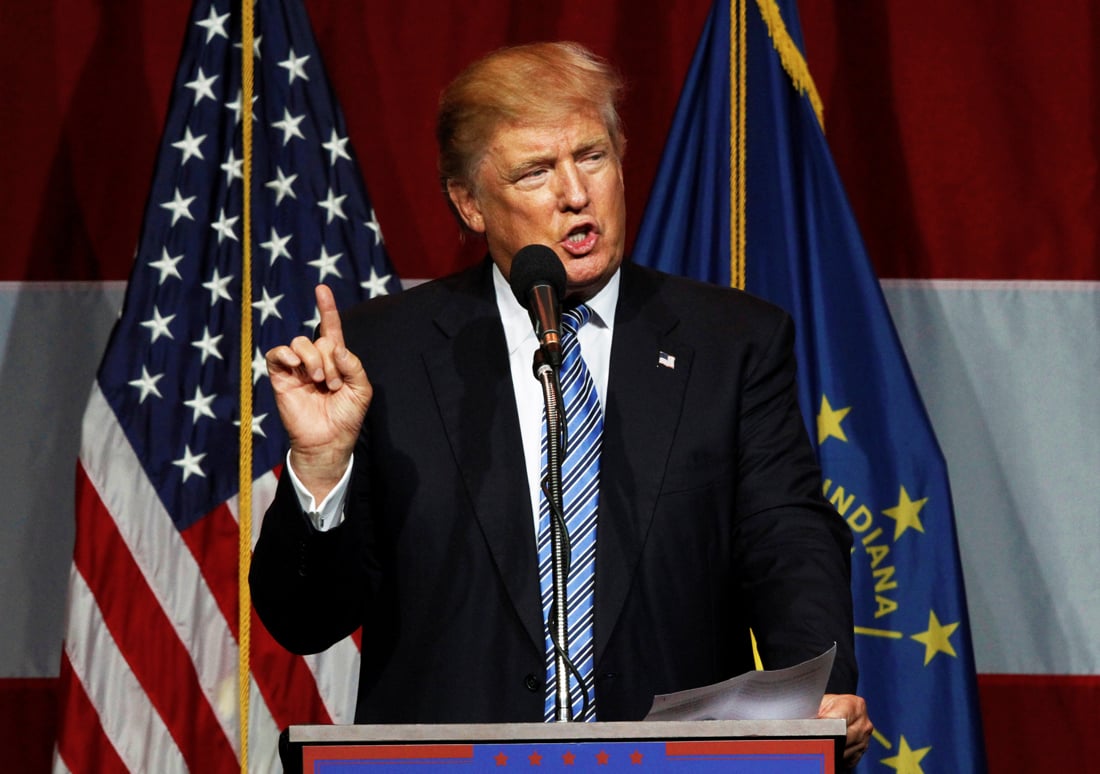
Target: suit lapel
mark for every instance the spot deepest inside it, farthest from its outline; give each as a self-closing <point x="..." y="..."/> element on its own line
<point x="648" y="376"/>
<point x="472" y="383"/>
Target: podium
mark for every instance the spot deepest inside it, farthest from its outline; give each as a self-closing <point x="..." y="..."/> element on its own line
<point x="728" y="746"/>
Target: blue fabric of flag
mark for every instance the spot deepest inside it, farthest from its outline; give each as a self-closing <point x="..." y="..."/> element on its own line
<point x="882" y="467"/>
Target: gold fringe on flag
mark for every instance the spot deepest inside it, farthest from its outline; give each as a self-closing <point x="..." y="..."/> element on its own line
<point x="794" y="64"/>
<point x="790" y="57"/>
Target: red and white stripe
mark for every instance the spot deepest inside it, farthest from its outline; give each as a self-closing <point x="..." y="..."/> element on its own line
<point x="151" y="636"/>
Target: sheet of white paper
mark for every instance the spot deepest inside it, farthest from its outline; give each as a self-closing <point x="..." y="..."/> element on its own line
<point x="793" y="693"/>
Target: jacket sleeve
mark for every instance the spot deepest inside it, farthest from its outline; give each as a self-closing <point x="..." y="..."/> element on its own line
<point x="310" y="588"/>
<point x="792" y="548"/>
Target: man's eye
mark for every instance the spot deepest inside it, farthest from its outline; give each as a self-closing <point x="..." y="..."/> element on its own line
<point x="531" y="177"/>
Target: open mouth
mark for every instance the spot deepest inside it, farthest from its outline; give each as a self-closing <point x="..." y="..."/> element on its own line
<point x="581" y="239"/>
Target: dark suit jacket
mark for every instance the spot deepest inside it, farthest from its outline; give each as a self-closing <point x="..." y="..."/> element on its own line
<point x="711" y="517"/>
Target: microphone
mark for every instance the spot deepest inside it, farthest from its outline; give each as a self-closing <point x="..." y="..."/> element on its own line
<point x="538" y="280"/>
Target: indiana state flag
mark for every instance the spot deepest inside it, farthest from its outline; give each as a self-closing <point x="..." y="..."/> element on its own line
<point x="749" y="196"/>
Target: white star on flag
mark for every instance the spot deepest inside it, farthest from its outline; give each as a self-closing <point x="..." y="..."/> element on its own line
<point x="147" y="384"/>
<point x="259" y="366"/>
<point x="289" y="125"/>
<point x="326" y="265"/>
<point x="208" y="345"/>
<point x="276" y="245"/>
<point x="337" y="147"/>
<point x="190" y="146"/>
<point x="257" y="421"/>
<point x="235" y="106"/>
<point x="268" y="306"/>
<point x="200" y="405"/>
<point x="376" y="285"/>
<point x="281" y="185"/>
<point x="214" y="25"/>
<point x="224" y="226"/>
<point x="218" y="287"/>
<point x="295" y="66"/>
<point x="374" y="226"/>
<point x="334" y="205"/>
<point x="158" y="325"/>
<point x="233" y="168"/>
<point x="190" y="463"/>
<point x="202" y="86"/>
<point x="179" y="207"/>
<point x="255" y="46"/>
<point x="311" y="324"/>
<point x="168" y="265"/>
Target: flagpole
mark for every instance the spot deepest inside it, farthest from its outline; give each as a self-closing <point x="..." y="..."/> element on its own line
<point x="738" y="77"/>
<point x="738" y="59"/>
<point x="244" y="544"/>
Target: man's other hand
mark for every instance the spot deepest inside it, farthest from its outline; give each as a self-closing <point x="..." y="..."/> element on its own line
<point x="854" y="711"/>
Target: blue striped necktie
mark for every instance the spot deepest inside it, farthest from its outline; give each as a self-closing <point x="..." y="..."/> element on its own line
<point x="580" y="499"/>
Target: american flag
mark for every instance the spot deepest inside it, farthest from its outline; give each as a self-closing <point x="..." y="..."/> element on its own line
<point x="149" y="667"/>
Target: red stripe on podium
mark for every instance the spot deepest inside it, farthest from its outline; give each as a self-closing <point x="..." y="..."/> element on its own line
<point x="376" y="752"/>
<point x="726" y="748"/>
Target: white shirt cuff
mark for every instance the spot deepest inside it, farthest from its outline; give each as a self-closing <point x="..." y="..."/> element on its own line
<point x="330" y="512"/>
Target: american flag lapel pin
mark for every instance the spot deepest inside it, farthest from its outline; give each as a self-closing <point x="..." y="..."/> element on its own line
<point x="665" y="360"/>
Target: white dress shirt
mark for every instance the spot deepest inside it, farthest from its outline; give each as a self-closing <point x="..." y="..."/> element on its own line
<point x="519" y="333"/>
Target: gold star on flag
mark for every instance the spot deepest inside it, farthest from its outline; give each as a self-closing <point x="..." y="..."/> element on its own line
<point x="907" y="761"/>
<point x="937" y="639"/>
<point x="906" y="513"/>
<point x="828" y="422"/>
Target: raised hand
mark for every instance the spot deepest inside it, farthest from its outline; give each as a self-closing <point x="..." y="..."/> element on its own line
<point x="323" y="394"/>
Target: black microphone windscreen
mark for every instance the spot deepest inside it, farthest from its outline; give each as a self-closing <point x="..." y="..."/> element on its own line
<point x="536" y="265"/>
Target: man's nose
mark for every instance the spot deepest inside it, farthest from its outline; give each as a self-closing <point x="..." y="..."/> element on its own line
<point x="573" y="193"/>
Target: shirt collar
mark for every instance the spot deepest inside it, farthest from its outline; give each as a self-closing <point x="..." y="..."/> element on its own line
<point x="517" y="323"/>
<point x="603" y="304"/>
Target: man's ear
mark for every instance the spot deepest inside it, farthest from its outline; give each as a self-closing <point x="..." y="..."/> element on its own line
<point x="466" y="205"/>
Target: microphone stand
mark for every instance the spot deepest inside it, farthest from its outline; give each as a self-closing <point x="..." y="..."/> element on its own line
<point x="559" y="546"/>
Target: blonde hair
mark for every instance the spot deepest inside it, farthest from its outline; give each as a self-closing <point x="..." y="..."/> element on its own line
<point x="534" y="83"/>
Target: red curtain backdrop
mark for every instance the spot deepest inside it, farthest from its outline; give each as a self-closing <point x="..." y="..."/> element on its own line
<point x="94" y="79"/>
<point x="966" y="134"/>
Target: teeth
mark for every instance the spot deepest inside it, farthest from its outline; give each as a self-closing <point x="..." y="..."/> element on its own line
<point x="580" y="236"/>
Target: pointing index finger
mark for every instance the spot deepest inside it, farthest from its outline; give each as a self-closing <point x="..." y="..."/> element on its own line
<point x="330" y="318"/>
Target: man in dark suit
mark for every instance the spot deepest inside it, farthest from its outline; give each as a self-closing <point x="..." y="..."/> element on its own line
<point x="411" y="497"/>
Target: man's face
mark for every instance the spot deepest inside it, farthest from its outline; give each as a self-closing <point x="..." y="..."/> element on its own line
<point x="559" y="186"/>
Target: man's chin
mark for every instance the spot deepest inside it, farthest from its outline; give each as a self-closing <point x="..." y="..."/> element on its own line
<point x="584" y="287"/>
